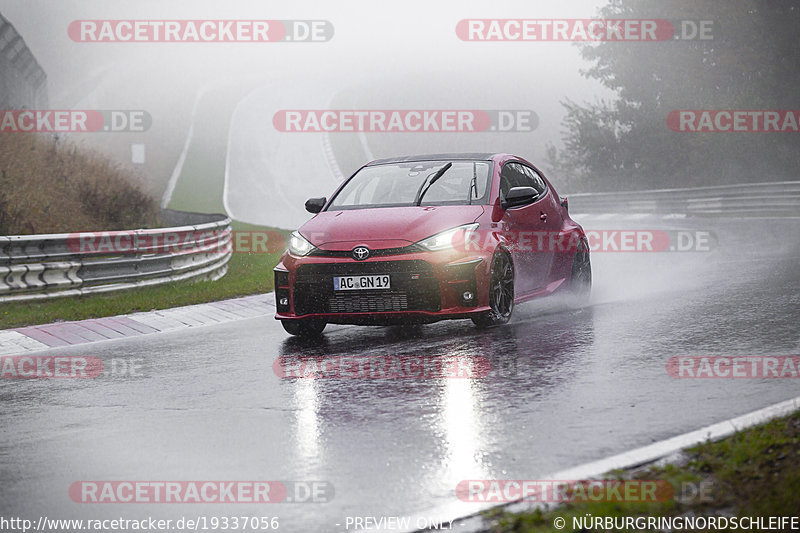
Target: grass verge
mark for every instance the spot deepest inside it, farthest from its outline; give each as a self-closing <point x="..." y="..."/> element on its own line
<point x="248" y="273"/>
<point x="754" y="473"/>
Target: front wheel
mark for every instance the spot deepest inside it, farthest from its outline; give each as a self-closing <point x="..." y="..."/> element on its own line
<point x="501" y="293"/>
<point x="304" y="328"/>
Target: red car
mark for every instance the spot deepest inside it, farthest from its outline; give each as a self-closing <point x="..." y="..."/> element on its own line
<point x="431" y="237"/>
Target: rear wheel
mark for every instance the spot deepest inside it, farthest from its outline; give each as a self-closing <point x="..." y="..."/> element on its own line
<point x="304" y="328"/>
<point x="501" y="293"/>
<point x="580" y="285"/>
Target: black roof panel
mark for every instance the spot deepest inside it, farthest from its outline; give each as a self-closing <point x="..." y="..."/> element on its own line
<point x="482" y="156"/>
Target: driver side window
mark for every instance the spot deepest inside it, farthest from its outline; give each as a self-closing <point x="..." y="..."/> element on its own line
<point x="518" y="175"/>
<point x="535" y="179"/>
<point x="510" y="177"/>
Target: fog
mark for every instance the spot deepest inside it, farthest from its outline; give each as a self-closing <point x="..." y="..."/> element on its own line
<point x="372" y="45"/>
<point x="413" y="58"/>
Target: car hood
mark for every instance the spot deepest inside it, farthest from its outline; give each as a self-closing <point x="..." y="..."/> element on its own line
<point x="386" y="227"/>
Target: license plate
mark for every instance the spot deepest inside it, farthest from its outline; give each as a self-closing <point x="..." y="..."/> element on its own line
<point x="356" y="283"/>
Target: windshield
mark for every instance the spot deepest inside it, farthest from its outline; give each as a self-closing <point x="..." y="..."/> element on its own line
<point x="396" y="185"/>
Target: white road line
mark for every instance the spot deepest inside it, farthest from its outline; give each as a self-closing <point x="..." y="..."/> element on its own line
<point x="176" y="172"/>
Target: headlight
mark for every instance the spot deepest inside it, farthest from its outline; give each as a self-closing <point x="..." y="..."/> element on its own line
<point x="298" y="245"/>
<point x="449" y="238"/>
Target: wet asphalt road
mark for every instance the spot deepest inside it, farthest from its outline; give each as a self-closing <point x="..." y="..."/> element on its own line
<point x="566" y="387"/>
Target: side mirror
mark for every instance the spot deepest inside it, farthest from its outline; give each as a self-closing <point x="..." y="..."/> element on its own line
<point x="517" y="196"/>
<point x="565" y="203"/>
<point x="315" y="205"/>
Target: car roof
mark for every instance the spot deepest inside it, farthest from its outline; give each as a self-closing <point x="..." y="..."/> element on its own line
<point x="482" y="156"/>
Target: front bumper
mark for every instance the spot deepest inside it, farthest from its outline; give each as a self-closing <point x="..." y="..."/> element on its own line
<point x="425" y="287"/>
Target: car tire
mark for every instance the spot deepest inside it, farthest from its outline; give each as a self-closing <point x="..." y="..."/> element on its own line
<point x="580" y="283"/>
<point x="501" y="292"/>
<point x="304" y="328"/>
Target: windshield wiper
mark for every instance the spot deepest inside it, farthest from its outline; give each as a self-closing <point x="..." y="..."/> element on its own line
<point x="423" y="189"/>
<point x="473" y="184"/>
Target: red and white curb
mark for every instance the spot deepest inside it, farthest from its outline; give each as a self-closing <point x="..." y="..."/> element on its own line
<point x="466" y="517"/>
<point x="36" y="338"/>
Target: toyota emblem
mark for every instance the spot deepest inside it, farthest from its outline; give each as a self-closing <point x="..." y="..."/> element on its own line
<point x="360" y="253"/>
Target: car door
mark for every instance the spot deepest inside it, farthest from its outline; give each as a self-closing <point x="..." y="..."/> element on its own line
<point x="526" y="230"/>
<point x="553" y="242"/>
<point x="563" y="243"/>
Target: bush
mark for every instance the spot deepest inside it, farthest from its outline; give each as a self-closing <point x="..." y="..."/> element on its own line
<point x="49" y="185"/>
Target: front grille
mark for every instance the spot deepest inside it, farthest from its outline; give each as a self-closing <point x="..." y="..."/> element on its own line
<point x="413" y="288"/>
<point x="365" y="303"/>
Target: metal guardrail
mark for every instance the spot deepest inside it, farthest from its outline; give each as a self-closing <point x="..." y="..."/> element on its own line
<point x="780" y="198"/>
<point x="36" y="267"/>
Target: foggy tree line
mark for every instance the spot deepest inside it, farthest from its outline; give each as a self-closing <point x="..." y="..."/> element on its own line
<point x="751" y="62"/>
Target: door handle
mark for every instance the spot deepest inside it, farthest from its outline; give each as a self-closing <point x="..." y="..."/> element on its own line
<point x="543" y="217"/>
